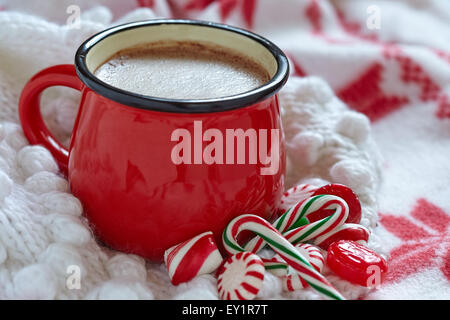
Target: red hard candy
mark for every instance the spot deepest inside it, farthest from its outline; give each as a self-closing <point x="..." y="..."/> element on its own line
<point x="356" y="263"/>
<point x="344" y="192"/>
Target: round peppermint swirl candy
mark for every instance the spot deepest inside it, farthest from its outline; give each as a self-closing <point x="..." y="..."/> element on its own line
<point x="241" y="277"/>
<point x="281" y="246"/>
<point x="193" y="257"/>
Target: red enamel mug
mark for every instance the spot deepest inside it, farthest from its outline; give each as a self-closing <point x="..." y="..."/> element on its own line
<point x="122" y="162"/>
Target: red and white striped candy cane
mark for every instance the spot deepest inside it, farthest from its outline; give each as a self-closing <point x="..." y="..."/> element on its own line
<point x="281" y="246"/>
<point x="191" y="258"/>
<point x="294" y="281"/>
<point x="280" y="268"/>
<point x="348" y="231"/>
<point x="282" y="224"/>
<point x="241" y="277"/>
<point x="292" y="219"/>
<point x="322" y="226"/>
<point x="275" y="266"/>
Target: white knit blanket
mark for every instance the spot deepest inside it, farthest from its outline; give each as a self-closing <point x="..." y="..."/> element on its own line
<point x="42" y="230"/>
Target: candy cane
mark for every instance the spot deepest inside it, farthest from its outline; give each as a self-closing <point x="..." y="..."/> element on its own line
<point x="191" y="258"/>
<point x="292" y="282"/>
<point x="282" y="224"/>
<point x="281" y="246"/>
<point x="303" y="191"/>
<point x="348" y="231"/>
<point x="294" y="217"/>
<point x="276" y="267"/>
<point x="323" y="226"/>
<point x="280" y="268"/>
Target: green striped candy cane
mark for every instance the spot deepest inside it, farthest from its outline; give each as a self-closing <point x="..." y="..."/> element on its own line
<point x="293" y="224"/>
<point x="281" y="246"/>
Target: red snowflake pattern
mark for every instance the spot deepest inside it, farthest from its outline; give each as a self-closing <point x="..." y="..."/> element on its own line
<point x="376" y="104"/>
<point x="412" y="72"/>
<point x="364" y="94"/>
<point x="426" y="241"/>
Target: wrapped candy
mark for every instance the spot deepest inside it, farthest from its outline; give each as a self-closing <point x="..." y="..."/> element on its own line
<point x="191" y="258"/>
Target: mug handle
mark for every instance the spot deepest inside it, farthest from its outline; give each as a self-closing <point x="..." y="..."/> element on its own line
<point x="30" y="116"/>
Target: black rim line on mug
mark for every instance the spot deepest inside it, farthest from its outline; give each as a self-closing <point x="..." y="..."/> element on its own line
<point x="220" y="104"/>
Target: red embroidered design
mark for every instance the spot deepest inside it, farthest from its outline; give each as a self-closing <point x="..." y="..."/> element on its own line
<point x="422" y="248"/>
<point x="364" y="94"/>
<point x="412" y="72"/>
<point x="443" y="110"/>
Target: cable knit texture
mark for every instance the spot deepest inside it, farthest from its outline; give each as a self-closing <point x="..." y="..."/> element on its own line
<point x="42" y="228"/>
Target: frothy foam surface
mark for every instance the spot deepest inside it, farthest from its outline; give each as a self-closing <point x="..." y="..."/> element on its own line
<point x="182" y="70"/>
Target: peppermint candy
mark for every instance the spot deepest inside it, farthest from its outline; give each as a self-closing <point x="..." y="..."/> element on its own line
<point x="241" y="277"/>
<point x="295" y="195"/>
<point x="281" y="246"/>
<point x="191" y="258"/>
